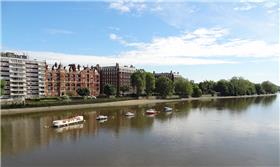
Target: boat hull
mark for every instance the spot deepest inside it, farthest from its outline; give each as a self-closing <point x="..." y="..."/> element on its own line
<point x="70" y="121"/>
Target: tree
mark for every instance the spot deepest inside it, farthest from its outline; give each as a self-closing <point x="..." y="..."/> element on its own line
<point x="269" y="87"/>
<point x="207" y="87"/>
<point x="183" y="87"/>
<point x="164" y="86"/>
<point x="109" y="90"/>
<point x="196" y="91"/>
<point x="3" y="84"/>
<point x="259" y="89"/>
<point x="150" y="83"/>
<point x="222" y="87"/>
<point x="241" y="87"/>
<point x="124" y="89"/>
<point x="138" y="81"/>
<point x="83" y="91"/>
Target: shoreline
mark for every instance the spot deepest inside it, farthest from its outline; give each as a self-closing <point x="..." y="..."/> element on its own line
<point x="117" y="104"/>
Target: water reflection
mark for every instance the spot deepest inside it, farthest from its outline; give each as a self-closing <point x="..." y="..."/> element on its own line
<point x="25" y="133"/>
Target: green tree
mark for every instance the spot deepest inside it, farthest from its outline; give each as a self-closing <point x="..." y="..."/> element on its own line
<point x="124" y="89"/>
<point x="138" y="81"/>
<point x="164" y="86"/>
<point x="83" y="91"/>
<point x="259" y="89"/>
<point x="207" y="87"/>
<point x="150" y="83"/>
<point x="109" y="90"/>
<point x="3" y="84"/>
<point x="269" y="87"/>
<point x="183" y="87"/>
<point x="196" y="91"/>
<point x="222" y="87"/>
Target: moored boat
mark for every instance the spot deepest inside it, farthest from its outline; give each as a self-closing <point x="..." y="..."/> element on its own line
<point x="167" y="109"/>
<point x="151" y="111"/>
<point x="101" y="117"/>
<point x="129" y="114"/>
<point x="69" y="121"/>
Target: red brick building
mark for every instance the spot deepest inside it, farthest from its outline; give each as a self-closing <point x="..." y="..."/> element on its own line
<point x="61" y="80"/>
<point x="117" y="76"/>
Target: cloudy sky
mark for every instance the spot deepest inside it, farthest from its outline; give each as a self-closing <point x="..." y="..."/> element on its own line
<point x="202" y="40"/>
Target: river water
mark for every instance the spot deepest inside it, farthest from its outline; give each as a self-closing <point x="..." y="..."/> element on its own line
<point x="221" y="132"/>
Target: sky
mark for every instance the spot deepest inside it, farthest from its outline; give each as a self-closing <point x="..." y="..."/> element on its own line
<point x="202" y="40"/>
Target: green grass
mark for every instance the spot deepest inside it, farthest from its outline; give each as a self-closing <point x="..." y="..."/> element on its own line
<point x="58" y="102"/>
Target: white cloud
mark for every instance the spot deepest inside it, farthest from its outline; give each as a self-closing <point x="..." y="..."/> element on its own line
<point x="54" y="31"/>
<point x="126" y="6"/>
<point x="202" y="46"/>
<point x="117" y="38"/>
<point x="245" y="7"/>
<point x="202" y="43"/>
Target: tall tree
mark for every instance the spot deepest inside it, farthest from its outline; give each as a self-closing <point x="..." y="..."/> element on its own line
<point x="164" y="86"/>
<point x="222" y="87"/>
<point x="138" y="81"/>
<point x="269" y="87"/>
<point x="109" y="90"/>
<point x="207" y="87"/>
<point x="150" y="83"/>
<point x="183" y="87"/>
<point x="259" y="89"/>
<point x="196" y="91"/>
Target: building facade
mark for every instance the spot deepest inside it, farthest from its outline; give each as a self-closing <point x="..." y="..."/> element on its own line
<point x="117" y="76"/>
<point x="171" y="75"/>
<point x="24" y="78"/>
<point x="67" y="80"/>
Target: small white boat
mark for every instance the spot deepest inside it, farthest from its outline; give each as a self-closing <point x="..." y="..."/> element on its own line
<point x="151" y="111"/>
<point x="69" y="121"/>
<point x="167" y="109"/>
<point x="129" y="114"/>
<point x="101" y="117"/>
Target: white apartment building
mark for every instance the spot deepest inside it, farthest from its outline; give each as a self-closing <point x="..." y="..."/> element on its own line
<point x="24" y="77"/>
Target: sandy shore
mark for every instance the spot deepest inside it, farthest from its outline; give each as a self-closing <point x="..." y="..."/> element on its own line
<point x="113" y="104"/>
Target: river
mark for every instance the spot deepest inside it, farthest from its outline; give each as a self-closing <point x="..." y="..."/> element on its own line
<point x="219" y="132"/>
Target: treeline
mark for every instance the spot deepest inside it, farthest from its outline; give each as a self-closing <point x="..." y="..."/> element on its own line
<point x="145" y="83"/>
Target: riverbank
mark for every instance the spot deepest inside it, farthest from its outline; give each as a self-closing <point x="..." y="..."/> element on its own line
<point x="116" y="104"/>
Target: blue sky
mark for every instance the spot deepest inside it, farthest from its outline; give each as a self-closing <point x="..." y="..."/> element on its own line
<point x="198" y="39"/>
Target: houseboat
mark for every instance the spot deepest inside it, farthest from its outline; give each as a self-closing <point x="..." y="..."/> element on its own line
<point x="69" y="121"/>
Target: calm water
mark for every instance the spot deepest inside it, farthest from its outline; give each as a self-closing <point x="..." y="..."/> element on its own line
<point x="228" y="132"/>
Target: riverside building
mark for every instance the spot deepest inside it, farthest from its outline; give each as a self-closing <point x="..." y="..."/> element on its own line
<point x="62" y="80"/>
<point x="117" y="76"/>
<point x="171" y="75"/>
<point x="24" y="78"/>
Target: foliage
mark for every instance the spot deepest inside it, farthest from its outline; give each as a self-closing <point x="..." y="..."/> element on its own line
<point x="3" y="84"/>
<point x="65" y="98"/>
<point x="183" y="87"/>
<point x="196" y="91"/>
<point x="222" y="87"/>
<point x="207" y="87"/>
<point x="124" y="88"/>
<point x="164" y="86"/>
<point x="83" y="91"/>
<point x="259" y="89"/>
<point x="150" y="83"/>
<point x="138" y="81"/>
<point x="269" y="87"/>
<point x="109" y="90"/>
